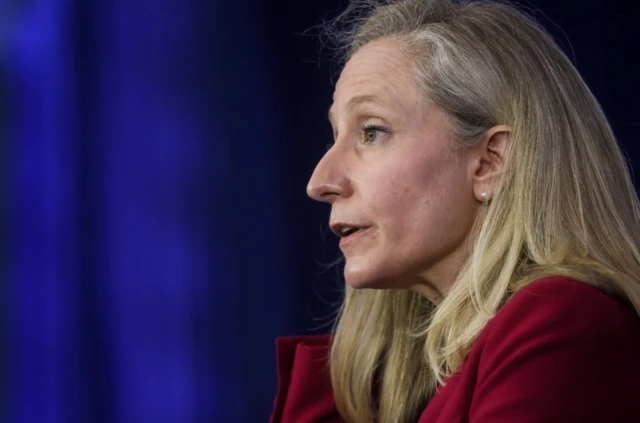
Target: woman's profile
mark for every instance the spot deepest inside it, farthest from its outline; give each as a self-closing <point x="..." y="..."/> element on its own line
<point x="489" y="225"/>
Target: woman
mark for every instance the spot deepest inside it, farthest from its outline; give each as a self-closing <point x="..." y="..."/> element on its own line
<point x="489" y="225"/>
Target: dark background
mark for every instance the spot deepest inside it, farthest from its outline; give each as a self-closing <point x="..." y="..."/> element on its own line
<point x="155" y="232"/>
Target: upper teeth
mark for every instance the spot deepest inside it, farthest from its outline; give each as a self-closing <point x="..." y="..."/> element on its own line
<point x="345" y="230"/>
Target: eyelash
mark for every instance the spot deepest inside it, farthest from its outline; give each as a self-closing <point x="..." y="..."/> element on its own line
<point x="364" y="129"/>
<point x="377" y="128"/>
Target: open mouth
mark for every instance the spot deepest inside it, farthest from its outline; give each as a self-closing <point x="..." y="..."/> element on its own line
<point x="349" y="234"/>
<point x="348" y="231"/>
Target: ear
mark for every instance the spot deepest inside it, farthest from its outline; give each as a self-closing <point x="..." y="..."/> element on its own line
<point x="488" y="162"/>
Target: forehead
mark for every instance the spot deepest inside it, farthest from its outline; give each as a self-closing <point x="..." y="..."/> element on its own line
<point x="379" y="72"/>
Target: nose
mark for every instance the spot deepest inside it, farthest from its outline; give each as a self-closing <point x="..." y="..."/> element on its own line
<point x="329" y="179"/>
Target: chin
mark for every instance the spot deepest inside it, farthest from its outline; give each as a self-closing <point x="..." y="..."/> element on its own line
<point x="362" y="275"/>
<point x="368" y="280"/>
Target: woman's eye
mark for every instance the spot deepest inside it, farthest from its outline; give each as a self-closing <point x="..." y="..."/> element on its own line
<point x="372" y="133"/>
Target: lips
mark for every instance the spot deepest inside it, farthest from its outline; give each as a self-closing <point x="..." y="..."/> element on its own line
<point x="348" y="232"/>
<point x="344" y="230"/>
<point x="353" y="236"/>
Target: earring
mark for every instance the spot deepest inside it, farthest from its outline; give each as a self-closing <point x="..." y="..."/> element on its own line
<point x="484" y="196"/>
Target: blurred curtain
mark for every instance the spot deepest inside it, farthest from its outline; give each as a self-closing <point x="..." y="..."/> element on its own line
<point x="146" y="273"/>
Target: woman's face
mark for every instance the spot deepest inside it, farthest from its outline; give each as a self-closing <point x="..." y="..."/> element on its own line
<point x="393" y="174"/>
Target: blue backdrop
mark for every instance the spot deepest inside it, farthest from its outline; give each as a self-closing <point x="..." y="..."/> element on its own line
<point x="156" y="236"/>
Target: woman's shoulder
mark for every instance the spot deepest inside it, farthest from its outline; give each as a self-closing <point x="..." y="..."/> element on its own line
<point x="557" y="314"/>
<point x="558" y="338"/>
<point x="564" y="301"/>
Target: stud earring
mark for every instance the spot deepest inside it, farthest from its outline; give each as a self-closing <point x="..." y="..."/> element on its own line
<point x="485" y="197"/>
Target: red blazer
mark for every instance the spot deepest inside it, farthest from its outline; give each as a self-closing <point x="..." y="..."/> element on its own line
<point x="559" y="351"/>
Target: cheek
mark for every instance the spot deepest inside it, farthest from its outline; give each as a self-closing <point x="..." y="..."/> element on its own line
<point x="392" y="199"/>
<point x="424" y="199"/>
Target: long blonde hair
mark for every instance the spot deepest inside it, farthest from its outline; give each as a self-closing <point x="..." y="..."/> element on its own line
<point x="566" y="205"/>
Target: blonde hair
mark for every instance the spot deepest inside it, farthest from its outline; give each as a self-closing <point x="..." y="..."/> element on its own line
<point x="566" y="204"/>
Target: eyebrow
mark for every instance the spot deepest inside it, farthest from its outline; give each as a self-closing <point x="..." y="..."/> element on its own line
<point x="359" y="99"/>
